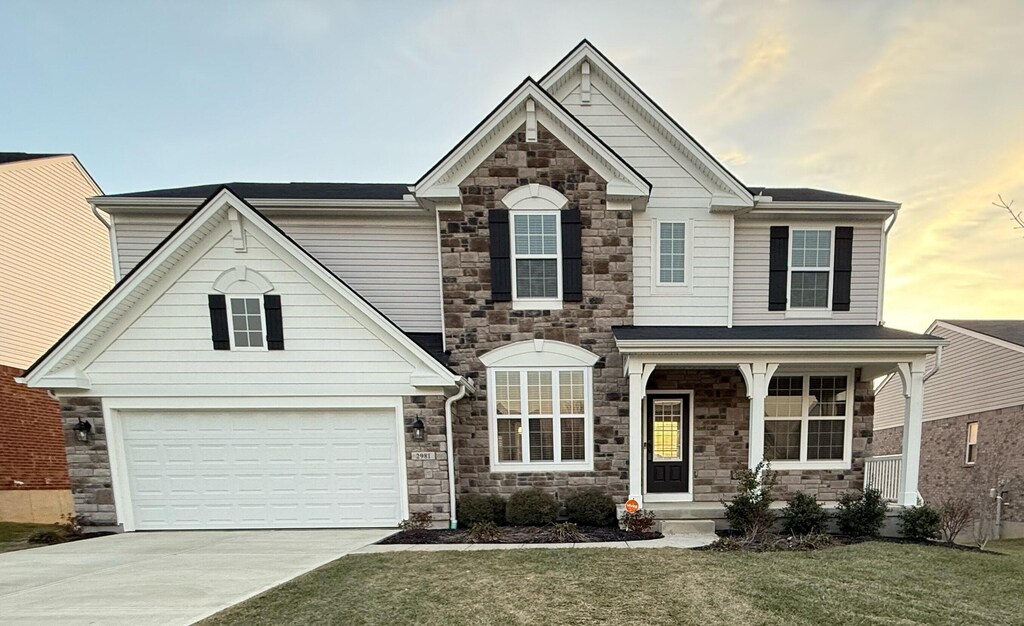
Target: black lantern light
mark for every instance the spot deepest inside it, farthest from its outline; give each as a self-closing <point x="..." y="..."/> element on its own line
<point x="418" y="430"/>
<point x="82" y="429"/>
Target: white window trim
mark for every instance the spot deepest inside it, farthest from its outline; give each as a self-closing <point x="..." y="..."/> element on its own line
<point x="534" y="304"/>
<point x="687" y="283"/>
<point x="231" y="322"/>
<point x="586" y="465"/>
<point x="810" y="312"/>
<point x="803" y="463"/>
<point x="968" y="444"/>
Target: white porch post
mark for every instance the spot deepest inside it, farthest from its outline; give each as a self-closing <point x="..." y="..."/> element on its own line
<point x="636" y="449"/>
<point x="912" y="374"/>
<point x="757" y="376"/>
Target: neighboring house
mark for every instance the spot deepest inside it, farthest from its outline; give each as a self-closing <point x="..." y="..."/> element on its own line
<point x="973" y="432"/>
<point x="54" y="264"/>
<point x="577" y="294"/>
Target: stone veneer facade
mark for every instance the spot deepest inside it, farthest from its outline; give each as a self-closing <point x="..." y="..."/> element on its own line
<point x="943" y="451"/>
<point x="721" y="423"/>
<point x="89" y="462"/>
<point x="475" y="324"/>
<point x="427" y="478"/>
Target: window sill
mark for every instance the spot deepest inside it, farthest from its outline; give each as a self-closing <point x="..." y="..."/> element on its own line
<point x="809" y="313"/>
<point x="537" y="305"/>
<point x="810" y="465"/>
<point x="542" y="467"/>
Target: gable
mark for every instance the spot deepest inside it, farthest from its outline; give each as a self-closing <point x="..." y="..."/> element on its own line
<point x="157" y="317"/>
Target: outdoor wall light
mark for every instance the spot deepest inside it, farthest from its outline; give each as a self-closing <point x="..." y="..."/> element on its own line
<point x="82" y="429"/>
<point x="418" y="430"/>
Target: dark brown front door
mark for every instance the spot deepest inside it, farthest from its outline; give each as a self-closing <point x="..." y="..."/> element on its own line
<point x="668" y="443"/>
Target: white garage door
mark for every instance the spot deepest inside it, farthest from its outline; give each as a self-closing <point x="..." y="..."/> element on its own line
<point x="262" y="469"/>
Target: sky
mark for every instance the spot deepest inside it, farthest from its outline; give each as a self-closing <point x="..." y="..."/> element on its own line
<point x="917" y="102"/>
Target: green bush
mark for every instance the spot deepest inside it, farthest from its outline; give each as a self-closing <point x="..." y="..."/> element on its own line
<point x="531" y="507"/>
<point x="592" y="507"/>
<point x="861" y="514"/>
<point x="920" y="523"/>
<point x="749" y="512"/>
<point x="804" y="516"/>
<point x="475" y="508"/>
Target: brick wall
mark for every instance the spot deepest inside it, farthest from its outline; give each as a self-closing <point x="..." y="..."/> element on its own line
<point x="31" y="441"/>
<point x="943" y="471"/>
<point x="721" y="436"/>
<point x="89" y="462"/>
<point x="474" y="324"/>
<point x="428" y="478"/>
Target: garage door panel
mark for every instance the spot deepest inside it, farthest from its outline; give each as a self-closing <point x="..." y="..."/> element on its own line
<point x="263" y="469"/>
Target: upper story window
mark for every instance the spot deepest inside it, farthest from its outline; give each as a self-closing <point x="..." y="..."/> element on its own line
<point x="809" y="421"/>
<point x="971" y="454"/>
<point x="672" y="253"/>
<point x="246" y="318"/>
<point x="243" y="315"/>
<point x="536" y="263"/>
<point x="810" y="269"/>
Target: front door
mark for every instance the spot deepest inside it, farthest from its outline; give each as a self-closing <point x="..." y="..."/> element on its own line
<point x="668" y="444"/>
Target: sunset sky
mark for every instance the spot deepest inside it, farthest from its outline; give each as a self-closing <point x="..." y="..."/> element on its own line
<point x="917" y="102"/>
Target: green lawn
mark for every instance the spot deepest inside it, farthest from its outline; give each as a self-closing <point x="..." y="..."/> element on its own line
<point x="14" y="534"/>
<point x="871" y="583"/>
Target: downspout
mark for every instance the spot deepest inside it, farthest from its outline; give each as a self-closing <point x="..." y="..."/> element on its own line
<point x="450" y="449"/>
<point x="885" y="256"/>
<point x="110" y="240"/>
<point x="938" y="364"/>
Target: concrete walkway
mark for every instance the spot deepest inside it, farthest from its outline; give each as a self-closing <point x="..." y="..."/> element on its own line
<point x="669" y="541"/>
<point x="161" y="578"/>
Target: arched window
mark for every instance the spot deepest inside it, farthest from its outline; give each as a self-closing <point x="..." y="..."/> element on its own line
<point x="246" y="306"/>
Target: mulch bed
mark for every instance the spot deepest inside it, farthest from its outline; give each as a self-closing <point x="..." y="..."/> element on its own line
<point x="782" y="543"/>
<point x="517" y="534"/>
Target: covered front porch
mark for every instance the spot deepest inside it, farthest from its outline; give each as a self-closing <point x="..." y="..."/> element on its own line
<point x="706" y="403"/>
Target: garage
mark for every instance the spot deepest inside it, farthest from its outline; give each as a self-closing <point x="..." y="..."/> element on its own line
<point x="262" y="469"/>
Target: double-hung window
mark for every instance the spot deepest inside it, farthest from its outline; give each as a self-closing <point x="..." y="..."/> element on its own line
<point x="536" y="264"/>
<point x="672" y="253"/>
<point x="245" y="316"/>
<point x="808" y="421"/>
<point x="810" y="269"/>
<point x="971" y="453"/>
<point x="541" y="418"/>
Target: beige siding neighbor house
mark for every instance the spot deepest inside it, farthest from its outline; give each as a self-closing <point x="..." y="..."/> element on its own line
<point x="54" y="264"/>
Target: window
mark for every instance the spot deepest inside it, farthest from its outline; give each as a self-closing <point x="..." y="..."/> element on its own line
<point x="810" y="269"/>
<point x="541" y="417"/>
<point x="971" y="455"/>
<point x="536" y="266"/>
<point x="808" y="420"/>
<point x="246" y="318"/>
<point x="672" y="253"/>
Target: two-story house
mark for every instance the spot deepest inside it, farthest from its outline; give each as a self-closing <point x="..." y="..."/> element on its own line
<point x="577" y="294"/>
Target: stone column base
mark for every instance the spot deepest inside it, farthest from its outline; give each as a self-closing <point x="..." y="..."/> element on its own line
<point x="35" y="506"/>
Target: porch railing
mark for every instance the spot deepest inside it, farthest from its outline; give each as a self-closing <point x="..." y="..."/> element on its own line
<point x="883" y="473"/>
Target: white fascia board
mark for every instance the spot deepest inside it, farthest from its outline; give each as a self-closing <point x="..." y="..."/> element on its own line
<point x="879" y="210"/>
<point x="67" y="379"/>
<point x="669" y="346"/>
<point x="598" y="64"/>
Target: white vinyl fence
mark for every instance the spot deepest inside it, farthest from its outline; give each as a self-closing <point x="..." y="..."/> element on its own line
<point x="883" y="473"/>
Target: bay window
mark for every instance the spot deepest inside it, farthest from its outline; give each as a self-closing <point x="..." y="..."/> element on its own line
<point x="809" y="421"/>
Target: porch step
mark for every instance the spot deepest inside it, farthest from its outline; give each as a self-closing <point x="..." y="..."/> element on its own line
<point x="687" y="527"/>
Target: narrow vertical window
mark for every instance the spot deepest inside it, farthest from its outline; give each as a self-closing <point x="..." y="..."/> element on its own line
<point x="971" y="454"/>
<point x="535" y="249"/>
<point x="672" y="252"/>
<point x="810" y="267"/>
<point x="246" y="315"/>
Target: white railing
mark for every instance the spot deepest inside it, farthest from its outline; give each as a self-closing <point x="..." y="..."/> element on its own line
<point x="883" y="473"/>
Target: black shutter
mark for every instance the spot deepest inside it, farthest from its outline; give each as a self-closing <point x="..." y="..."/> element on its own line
<point x="572" y="256"/>
<point x="219" y="322"/>
<point x="778" y="267"/>
<point x="501" y="253"/>
<point x="842" y="265"/>
<point x="275" y="329"/>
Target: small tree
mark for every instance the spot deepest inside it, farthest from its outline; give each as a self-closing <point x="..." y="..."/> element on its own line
<point x="1017" y="216"/>
<point x="749" y="512"/>
<point x="954" y="513"/>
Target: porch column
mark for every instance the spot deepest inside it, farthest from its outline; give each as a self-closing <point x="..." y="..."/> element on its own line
<point x="757" y="376"/>
<point x="912" y="373"/>
<point x="636" y="450"/>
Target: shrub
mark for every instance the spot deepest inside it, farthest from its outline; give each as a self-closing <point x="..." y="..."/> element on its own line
<point x="861" y="514"/>
<point x="531" y="507"/>
<point x="804" y="516"/>
<point x="420" y="520"/>
<point x="920" y="523"/>
<point x="812" y="541"/>
<point x="954" y="515"/>
<point x="592" y="507"/>
<point x="484" y="532"/>
<point x="566" y="532"/>
<point x="725" y="544"/>
<point x="640" y="522"/>
<point x="750" y="512"/>
<point x="47" y="537"/>
<point x="474" y="509"/>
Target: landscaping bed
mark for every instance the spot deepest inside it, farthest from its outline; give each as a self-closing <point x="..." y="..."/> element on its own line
<point x="732" y="541"/>
<point x="519" y="534"/>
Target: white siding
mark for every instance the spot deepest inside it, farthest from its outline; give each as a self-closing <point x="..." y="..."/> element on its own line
<point x="750" y="286"/>
<point x="167" y="350"/>
<point x="676" y="195"/>
<point x="389" y="260"/>
<point x="975" y="376"/>
<point x="54" y="255"/>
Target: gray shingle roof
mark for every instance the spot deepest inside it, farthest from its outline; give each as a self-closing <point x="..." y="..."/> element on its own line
<point x="806" y="194"/>
<point x="282" y="191"/>
<point x="14" y="157"/>
<point x="1007" y="330"/>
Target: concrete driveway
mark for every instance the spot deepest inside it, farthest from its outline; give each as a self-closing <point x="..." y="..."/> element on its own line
<point x="161" y="577"/>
